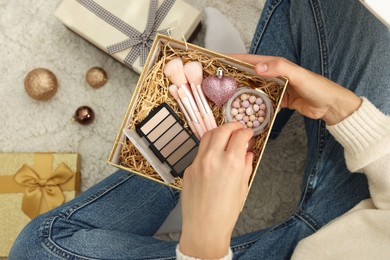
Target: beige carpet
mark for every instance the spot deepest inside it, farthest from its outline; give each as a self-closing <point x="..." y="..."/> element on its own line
<point x="30" y="37"/>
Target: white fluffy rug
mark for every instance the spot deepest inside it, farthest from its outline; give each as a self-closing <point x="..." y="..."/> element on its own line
<point x="30" y="37"/>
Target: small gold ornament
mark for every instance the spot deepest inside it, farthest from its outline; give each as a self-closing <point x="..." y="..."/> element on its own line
<point x="96" y="77"/>
<point x="41" y="84"/>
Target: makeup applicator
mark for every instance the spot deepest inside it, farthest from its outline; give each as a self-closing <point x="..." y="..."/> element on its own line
<point x="174" y="69"/>
<point x="194" y="74"/>
<point x="185" y="100"/>
<point x="174" y="92"/>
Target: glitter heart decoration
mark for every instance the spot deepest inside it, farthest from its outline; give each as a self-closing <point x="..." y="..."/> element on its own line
<point x="219" y="88"/>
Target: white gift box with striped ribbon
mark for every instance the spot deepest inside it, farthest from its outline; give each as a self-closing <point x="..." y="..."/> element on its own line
<point x="126" y="29"/>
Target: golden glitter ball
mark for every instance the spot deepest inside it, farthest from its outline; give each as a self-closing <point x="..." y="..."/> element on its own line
<point x="41" y="84"/>
<point x="96" y="77"/>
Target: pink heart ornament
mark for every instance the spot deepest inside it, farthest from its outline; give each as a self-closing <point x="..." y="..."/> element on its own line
<point x="219" y="88"/>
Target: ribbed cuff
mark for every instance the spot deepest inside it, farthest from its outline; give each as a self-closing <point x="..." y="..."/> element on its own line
<point x="181" y="256"/>
<point x="362" y="135"/>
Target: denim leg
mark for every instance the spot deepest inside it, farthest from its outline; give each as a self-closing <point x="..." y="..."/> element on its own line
<point x="115" y="219"/>
<point x="274" y="38"/>
<point x="342" y="41"/>
<point x="353" y="49"/>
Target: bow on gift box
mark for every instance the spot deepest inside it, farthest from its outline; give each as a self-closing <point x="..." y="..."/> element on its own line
<point x="140" y="43"/>
<point x="41" y="195"/>
<point x="43" y="189"/>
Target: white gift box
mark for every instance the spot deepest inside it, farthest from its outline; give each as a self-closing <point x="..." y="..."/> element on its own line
<point x="128" y="26"/>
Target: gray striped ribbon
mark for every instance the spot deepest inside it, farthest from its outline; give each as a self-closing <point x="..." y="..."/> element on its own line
<point x="140" y="43"/>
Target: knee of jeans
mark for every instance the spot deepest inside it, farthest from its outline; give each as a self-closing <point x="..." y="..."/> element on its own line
<point x="28" y="244"/>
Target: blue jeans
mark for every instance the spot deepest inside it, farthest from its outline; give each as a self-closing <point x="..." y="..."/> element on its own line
<point x="117" y="218"/>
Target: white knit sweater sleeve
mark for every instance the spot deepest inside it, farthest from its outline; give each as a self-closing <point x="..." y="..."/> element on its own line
<point x="365" y="136"/>
<point x="364" y="231"/>
<point x="181" y="256"/>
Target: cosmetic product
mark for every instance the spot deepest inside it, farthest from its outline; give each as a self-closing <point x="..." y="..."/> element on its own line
<point x="185" y="100"/>
<point x="162" y="133"/>
<point x="143" y="147"/>
<point x="174" y="92"/>
<point x="174" y="70"/>
<point x="219" y="88"/>
<point x="194" y="74"/>
<point x="251" y="107"/>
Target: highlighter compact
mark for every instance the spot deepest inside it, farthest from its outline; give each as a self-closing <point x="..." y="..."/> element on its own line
<point x="163" y="133"/>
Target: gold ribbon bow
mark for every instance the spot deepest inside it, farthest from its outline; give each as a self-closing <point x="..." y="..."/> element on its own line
<point x="42" y="192"/>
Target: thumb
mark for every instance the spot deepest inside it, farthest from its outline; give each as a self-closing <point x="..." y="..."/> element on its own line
<point x="276" y="67"/>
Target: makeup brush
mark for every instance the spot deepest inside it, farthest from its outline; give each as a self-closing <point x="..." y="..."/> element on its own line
<point x="194" y="74"/>
<point x="174" y="92"/>
<point x="174" y="70"/>
<point x="185" y="100"/>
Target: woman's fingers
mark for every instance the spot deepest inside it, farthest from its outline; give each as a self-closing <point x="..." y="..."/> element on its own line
<point x="220" y="136"/>
<point x="281" y="67"/>
<point x="269" y="65"/>
<point x="252" y="58"/>
<point x="205" y="142"/>
<point x="238" y="142"/>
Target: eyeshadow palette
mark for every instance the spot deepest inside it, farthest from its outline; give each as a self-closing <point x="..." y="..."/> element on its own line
<point x="169" y="140"/>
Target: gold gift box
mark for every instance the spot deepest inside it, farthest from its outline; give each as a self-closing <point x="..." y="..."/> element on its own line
<point x="17" y="171"/>
<point x="152" y="89"/>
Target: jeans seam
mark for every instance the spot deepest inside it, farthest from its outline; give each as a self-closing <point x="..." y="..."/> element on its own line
<point x="260" y="32"/>
<point x="175" y="193"/>
<point x="308" y="220"/>
<point x="54" y="249"/>
<point x="316" y="8"/>
<point x="247" y="244"/>
<point x="310" y="184"/>
<point x="323" y="49"/>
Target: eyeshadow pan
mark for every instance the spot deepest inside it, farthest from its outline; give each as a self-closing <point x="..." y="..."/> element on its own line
<point x="181" y="165"/>
<point x="155" y="120"/>
<point x="162" y="134"/>
<point x="161" y="128"/>
<point x="168" y="136"/>
<point x="172" y="145"/>
<point x="181" y="151"/>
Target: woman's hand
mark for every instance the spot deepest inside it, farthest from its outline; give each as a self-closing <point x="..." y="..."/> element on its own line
<point x="310" y="94"/>
<point x="215" y="185"/>
<point x="214" y="189"/>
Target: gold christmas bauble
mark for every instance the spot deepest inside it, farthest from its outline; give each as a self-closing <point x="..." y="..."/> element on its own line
<point x="41" y="84"/>
<point x="96" y="77"/>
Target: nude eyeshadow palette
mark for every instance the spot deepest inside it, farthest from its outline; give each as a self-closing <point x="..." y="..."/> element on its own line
<point x="168" y="139"/>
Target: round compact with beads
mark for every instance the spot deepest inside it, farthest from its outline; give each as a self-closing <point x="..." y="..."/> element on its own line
<point x="253" y="108"/>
